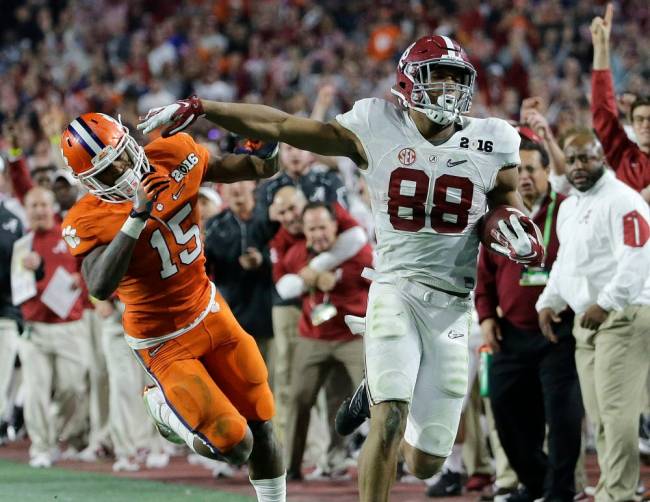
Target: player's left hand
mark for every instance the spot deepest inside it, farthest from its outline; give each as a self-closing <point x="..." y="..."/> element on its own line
<point x="176" y="117"/>
<point x="151" y="185"/>
<point x="263" y="150"/>
<point x="593" y="317"/>
<point x="519" y="246"/>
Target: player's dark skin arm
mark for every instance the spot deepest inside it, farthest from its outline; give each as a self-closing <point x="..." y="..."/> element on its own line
<point x="505" y="191"/>
<point x="104" y="267"/>
<point x="235" y="167"/>
<point x="270" y="124"/>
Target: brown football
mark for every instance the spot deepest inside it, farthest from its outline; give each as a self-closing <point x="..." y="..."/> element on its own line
<point x="489" y="224"/>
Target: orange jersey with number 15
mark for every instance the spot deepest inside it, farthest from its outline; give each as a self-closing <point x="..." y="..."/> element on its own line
<point x="165" y="287"/>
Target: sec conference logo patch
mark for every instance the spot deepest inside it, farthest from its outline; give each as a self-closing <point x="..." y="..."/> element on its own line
<point x="406" y="156"/>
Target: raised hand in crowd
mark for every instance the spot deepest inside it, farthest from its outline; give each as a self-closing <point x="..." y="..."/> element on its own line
<point x="531" y="113"/>
<point x="323" y="101"/>
<point x="601" y="29"/>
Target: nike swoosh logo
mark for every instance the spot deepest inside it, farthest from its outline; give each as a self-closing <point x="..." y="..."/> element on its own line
<point x="176" y="195"/>
<point x="450" y="163"/>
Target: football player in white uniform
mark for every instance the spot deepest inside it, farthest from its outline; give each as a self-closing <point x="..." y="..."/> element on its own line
<point x="431" y="173"/>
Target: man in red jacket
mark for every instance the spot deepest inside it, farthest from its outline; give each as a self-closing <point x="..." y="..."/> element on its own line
<point x="53" y="346"/>
<point x="630" y="160"/>
<point x="325" y="344"/>
<point x="532" y="382"/>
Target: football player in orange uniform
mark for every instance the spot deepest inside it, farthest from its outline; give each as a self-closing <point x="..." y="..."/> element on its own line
<point x="138" y="234"/>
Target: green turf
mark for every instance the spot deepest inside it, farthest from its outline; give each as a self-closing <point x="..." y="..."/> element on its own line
<point x="19" y="482"/>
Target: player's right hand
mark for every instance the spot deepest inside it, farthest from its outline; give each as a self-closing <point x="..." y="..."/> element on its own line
<point x="176" y="117"/>
<point x="547" y="317"/>
<point x="150" y="187"/>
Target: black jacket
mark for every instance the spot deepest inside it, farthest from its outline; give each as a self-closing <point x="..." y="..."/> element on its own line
<point x="10" y="231"/>
<point x="248" y="292"/>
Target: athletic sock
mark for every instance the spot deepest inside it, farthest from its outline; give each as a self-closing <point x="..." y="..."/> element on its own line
<point x="271" y="490"/>
<point x="454" y="462"/>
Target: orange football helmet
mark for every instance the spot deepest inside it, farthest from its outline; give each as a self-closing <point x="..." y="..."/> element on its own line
<point x="91" y="143"/>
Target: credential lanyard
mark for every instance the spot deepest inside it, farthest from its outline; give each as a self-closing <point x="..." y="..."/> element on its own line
<point x="548" y="223"/>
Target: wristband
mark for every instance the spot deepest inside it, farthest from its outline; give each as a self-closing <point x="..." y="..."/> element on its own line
<point x="133" y="227"/>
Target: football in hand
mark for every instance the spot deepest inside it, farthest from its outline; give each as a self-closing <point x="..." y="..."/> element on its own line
<point x="489" y="225"/>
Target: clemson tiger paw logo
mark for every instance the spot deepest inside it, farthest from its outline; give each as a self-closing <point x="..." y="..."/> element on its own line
<point x="70" y="237"/>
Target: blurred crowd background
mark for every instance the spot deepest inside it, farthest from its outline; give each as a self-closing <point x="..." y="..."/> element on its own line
<point x="59" y="59"/>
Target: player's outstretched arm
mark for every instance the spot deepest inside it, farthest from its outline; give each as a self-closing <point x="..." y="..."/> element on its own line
<point x="258" y="122"/>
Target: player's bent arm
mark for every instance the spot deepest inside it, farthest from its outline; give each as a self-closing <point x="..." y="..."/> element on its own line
<point x="505" y="192"/>
<point x="270" y="124"/>
<point x="235" y="167"/>
<point x="104" y="267"/>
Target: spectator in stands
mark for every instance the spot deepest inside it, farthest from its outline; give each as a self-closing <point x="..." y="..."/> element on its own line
<point x="602" y="272"/>
<point x="316" y="185"/>
<point x="630" y="160"/>
<point x="533" y="383"/>
<point x="10" y="318"/>
<point x="52" y="346"/>
<point x="66" y="190"/>
<point x="238" y="261"/>
<point x="209" y="204"/>
<point x="325" y="343"/>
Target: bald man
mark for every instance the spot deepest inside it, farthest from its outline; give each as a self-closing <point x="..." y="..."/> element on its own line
<point x="602" y="272"/>
<point x="53" y="346"/>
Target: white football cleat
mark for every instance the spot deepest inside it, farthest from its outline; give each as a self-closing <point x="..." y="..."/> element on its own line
<point x="40" y="461"/>
<point x="154" y="400"/>
<point x="125" y="464"/>
<point x="157" y="460"/>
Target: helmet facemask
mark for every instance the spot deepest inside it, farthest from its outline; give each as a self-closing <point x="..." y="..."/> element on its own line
<point x="451" y="98"/>
<point x="124" y="188"/>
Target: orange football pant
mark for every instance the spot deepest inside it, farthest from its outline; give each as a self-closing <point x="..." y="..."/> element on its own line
<point x="213" y="377"/>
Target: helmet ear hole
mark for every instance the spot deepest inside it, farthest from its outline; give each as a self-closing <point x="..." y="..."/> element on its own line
<point x="402" y="85"/>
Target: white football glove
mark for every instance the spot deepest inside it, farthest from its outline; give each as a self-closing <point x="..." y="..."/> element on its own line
<point x="177" y="116"/>
<point x="519" y="246"/>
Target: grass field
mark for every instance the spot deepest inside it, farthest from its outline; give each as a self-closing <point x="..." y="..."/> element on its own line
<point x="19" y="482"/>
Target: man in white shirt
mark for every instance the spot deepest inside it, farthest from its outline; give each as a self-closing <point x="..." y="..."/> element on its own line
<point x="603" y="273"/>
